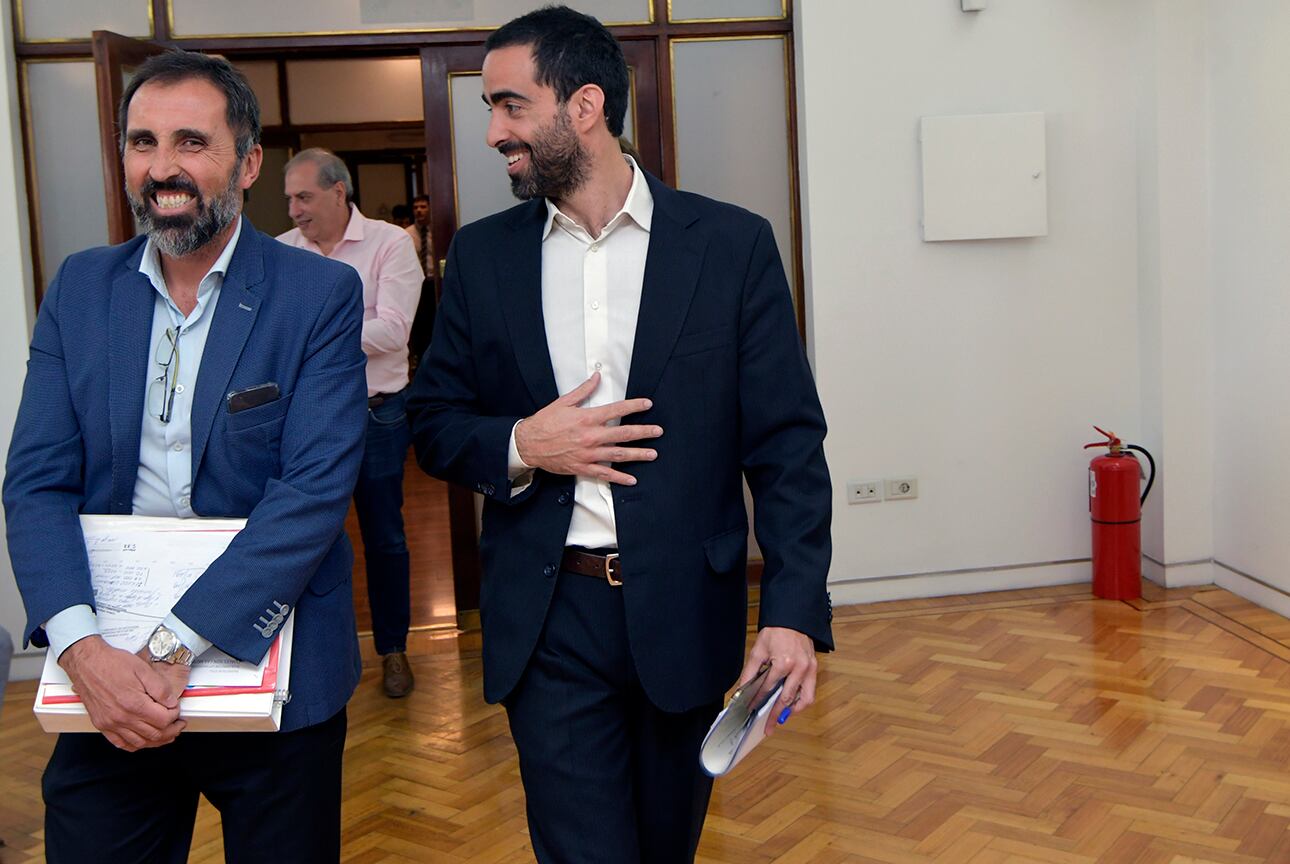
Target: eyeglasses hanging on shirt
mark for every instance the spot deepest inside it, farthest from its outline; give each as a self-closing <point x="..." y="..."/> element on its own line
<point x="161" y="392"/>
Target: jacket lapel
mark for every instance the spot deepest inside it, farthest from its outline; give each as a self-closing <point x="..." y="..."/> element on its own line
<point x="671" y="275"/>
<point x="130" y="327"/>
<point x="519" y="285"/>
<point x="235" y="315"/>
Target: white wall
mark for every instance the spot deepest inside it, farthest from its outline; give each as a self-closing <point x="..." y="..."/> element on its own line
<point x="15" y="314"/>
<point x="1175" y="321"/>
<point x="976" y="366"/>
<point x="1249" y="103"/>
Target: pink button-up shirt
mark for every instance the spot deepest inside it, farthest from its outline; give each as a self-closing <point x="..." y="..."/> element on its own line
<point x="387" y="263"/>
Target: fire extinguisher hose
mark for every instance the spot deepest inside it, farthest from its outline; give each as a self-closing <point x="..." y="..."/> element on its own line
<point x="1152" y="463"/>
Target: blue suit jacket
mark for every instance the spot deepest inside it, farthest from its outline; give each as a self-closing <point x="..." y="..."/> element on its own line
<point x="717" y="351"/>
<point x="284" y="315"/>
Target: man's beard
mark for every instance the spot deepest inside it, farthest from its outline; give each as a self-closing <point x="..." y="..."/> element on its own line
<point x="557" y="162"/>
<point x="181" y="235"/>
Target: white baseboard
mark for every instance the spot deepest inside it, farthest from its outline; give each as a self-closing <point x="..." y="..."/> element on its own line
<point x="1252" y="588"/>
<point x="1183" y="574"/>
<point x="1154" y="571"/>
<point x="979" y="580"/>
<point x="950" y="582"/>
<point x="1189" y="574"/>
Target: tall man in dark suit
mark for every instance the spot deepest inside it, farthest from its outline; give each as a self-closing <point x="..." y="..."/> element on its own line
<point x="202" y="369"/>
<point x="614" y="536"/>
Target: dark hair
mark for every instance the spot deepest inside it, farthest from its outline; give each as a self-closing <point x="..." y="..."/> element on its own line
<point x="425" y="198"/>
<point x="243" y="111"/>
<point x="400" y="211"/>
<point x="570" y="50"/>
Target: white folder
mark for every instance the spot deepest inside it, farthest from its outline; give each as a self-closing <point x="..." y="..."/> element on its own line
<point x="739" y="727"/>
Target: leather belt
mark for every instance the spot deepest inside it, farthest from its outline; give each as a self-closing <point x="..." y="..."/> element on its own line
<point x="608" y="567"/>
<point x="379" y="399"/>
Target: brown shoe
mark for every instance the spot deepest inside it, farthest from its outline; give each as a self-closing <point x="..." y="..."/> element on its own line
<point x="396" y="675"/>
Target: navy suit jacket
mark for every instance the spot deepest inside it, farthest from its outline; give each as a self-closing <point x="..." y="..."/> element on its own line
<point x="285" y="316"/>
<point x="717" y="351"/>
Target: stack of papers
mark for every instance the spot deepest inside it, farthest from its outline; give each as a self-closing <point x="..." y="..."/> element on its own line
<point x="140" y="567"/>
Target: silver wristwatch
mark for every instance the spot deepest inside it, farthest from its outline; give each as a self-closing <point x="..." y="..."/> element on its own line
<point x="164" y="647"/>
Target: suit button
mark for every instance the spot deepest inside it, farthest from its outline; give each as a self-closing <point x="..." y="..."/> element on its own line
<point x="548" y="571"/>
<point x="564" y="498"/>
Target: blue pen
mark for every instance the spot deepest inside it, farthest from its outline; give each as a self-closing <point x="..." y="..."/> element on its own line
<point x="784" y="715"/>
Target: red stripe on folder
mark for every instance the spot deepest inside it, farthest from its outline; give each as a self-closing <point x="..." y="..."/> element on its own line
<point x="268" y="683"/>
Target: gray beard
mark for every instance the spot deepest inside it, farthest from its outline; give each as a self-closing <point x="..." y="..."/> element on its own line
<point x="180" y="236"/>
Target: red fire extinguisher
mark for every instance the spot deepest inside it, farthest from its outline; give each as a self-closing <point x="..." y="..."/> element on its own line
<point x="1116" y="509"/>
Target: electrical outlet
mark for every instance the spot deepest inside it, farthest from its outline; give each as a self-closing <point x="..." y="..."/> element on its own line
<point x="902" y="487"/>
<point x="864" y="491"/>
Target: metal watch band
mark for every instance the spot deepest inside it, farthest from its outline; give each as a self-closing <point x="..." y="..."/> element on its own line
<point x="182" y="655"/>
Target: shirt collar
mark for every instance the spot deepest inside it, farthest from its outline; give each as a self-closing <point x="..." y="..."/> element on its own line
<point x="150" y="265"/>
<point x="639" y="205"/>
<point x="354" y="230"/>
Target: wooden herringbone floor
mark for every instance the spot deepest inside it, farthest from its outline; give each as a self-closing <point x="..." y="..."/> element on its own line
<point x="1023" y="727"/>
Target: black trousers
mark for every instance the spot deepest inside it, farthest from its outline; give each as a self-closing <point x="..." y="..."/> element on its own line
<point x="278" y="795"/>
<point x="607" y="776"/>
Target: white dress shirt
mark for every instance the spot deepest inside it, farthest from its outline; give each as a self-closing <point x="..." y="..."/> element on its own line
<point x="163" y="486"/>
<point x="591" y="296"/>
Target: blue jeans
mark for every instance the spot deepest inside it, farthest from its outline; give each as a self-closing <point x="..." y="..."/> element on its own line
<point x="378" y="500"/>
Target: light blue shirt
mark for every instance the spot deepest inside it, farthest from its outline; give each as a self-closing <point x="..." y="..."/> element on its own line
<point x="165" y="480"/>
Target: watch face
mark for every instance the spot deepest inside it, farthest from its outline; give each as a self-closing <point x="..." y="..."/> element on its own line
<point x="162" y="643"/>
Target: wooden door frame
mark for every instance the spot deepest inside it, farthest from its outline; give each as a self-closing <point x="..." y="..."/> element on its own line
<point x="113" y="53"/>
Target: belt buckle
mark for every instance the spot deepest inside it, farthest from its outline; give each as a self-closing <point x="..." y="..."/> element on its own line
<point x="611" y="567"/>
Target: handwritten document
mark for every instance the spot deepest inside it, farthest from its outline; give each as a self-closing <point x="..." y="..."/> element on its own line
<point x="141" y="566"/>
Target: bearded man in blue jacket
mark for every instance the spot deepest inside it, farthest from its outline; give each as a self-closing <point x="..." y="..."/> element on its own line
<point x="201" y="369"/>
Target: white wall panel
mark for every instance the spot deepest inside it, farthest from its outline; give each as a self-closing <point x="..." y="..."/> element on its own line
<point x="64" y="125"/>
<point x="479" y="171"/>
<point x="369" y="90"/>
<point x="60" y="20"/>
<point x="1249" y="133"/>
<point x="244" y="17"/>
<point x="732" y="142"/>
<point x="724" y="10"/>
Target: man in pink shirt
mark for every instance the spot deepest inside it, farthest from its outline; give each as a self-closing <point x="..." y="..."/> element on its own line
<point x="320" y="201"/>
